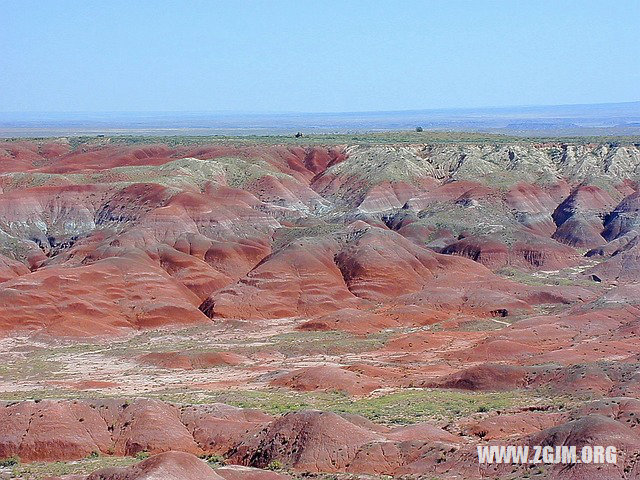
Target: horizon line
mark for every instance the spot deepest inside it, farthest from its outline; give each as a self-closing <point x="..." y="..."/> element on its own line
<point x="293" y="112"/>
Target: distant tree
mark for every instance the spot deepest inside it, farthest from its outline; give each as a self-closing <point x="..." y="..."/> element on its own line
<point x="419" y="129"/>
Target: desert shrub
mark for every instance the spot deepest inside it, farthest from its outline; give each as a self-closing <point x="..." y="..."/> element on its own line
<point x="143" y="455"/>
<point x="10" y="461"/>
<point x="214" y="460"/>
<point x="275" y="465"/>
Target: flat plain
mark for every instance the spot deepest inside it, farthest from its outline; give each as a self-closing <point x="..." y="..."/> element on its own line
<point x="330" y="306"/>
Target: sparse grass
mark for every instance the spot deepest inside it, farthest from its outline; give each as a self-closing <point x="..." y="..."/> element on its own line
<point x="240" y="172"/>
<point x="214" y="461"/>
<point x="275" y="465"/>
<point x="286" y="235"/>
<point x="143" y="455"/>
<point x="48" y="393"/>
<point x="300" y="343"/>
<point x="411" y="406"/>
<point x="364" y="138"/>
<point x="566" y="277"/>
<point x="398" y="408"/>
<point x="10" y="461"/>
<point x="483" y="325"/>
<point x="482" y="219"/>
<point x="41" y="470"/>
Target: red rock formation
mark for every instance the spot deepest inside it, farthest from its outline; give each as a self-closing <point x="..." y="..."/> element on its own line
<point x="301" y="279"/>
<point x="111" y="297"/>
<point x="533" y="205"/>
<point x="595" y="430"/>
<point x="11" y="269"/>
<point x="580" y="217"/>
<point x="327" y="378"/>
<point x="218" y="428"/>
<point x="512" y="424"/>
<point x="189" y="361"/>
<point x="489" y="252"/>
<point x="308" y="441"/>
<point x="622" y="266"/>
<point x="487" y="377"/>
<point x="166" y="466"/>
<point x="69" y="430"/>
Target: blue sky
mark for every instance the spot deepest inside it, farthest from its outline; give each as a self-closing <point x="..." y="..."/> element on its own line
<point x="315" y="56"/>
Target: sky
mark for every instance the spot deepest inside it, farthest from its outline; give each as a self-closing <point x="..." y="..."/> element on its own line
<point x="314" y="56"/>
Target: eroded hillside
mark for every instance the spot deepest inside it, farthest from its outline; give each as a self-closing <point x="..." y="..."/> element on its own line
<point x="376" y="309"/>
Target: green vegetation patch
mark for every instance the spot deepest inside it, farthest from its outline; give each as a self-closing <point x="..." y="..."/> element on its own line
<point x="398" y="408"/>
<point x="362" y="138"/>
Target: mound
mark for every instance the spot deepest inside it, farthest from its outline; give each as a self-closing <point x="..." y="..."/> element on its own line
<point x="165" y="466"/>
<point x="533" y="205"/>
<point x="362" y="322"/>
<point x="590" y="430"/>
<point x="350" y="320"/>
<point x="534" y="251"/>
<point x="580" y="217"/>
<point x="586" y="200"/>
<point x="387" y="196"/>
<point x="580" y="232"/>
<point x="487" y="377"/>
<point x="595" y="430"/>
<point x="396" y="458"/>
<point x="374" y="261"/>
<point x="154" y="427"/>
<point x="527" y="251"/>
<point x="217" y="429"/>
<point x="602" y="378"/>
<point x="70" y="430"/>
<point x="288" y="194"/>
<point x="327" y="378"/>
<point x="300" y="279"/>
<point x="111" y="297"/>
<point x="510" y="425"/>
<point x="624" y="219"/>
<point x="51" y="431"/>
<point x="624" y="410"/>
<point x="622" y="266"/>
<point x="189" y="361"/>
<point x="490" y="252"/>
<point x="309" y="441"/>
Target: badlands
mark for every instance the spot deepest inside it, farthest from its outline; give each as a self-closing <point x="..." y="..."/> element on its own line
<point x="324" y="307"/>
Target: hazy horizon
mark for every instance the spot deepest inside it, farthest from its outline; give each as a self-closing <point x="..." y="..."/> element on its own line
<point x="293" y="112"/>
<point x="306" y="57"/>
<point x="594" y="119"/>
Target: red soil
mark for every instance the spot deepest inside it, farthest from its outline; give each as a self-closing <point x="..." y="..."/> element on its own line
<point x="105" y="240"/>
<point x="167" y="466"/>
<point x="327" y="378"/>
<point x="109" y="297"/>
<point x="190" y="361"/>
